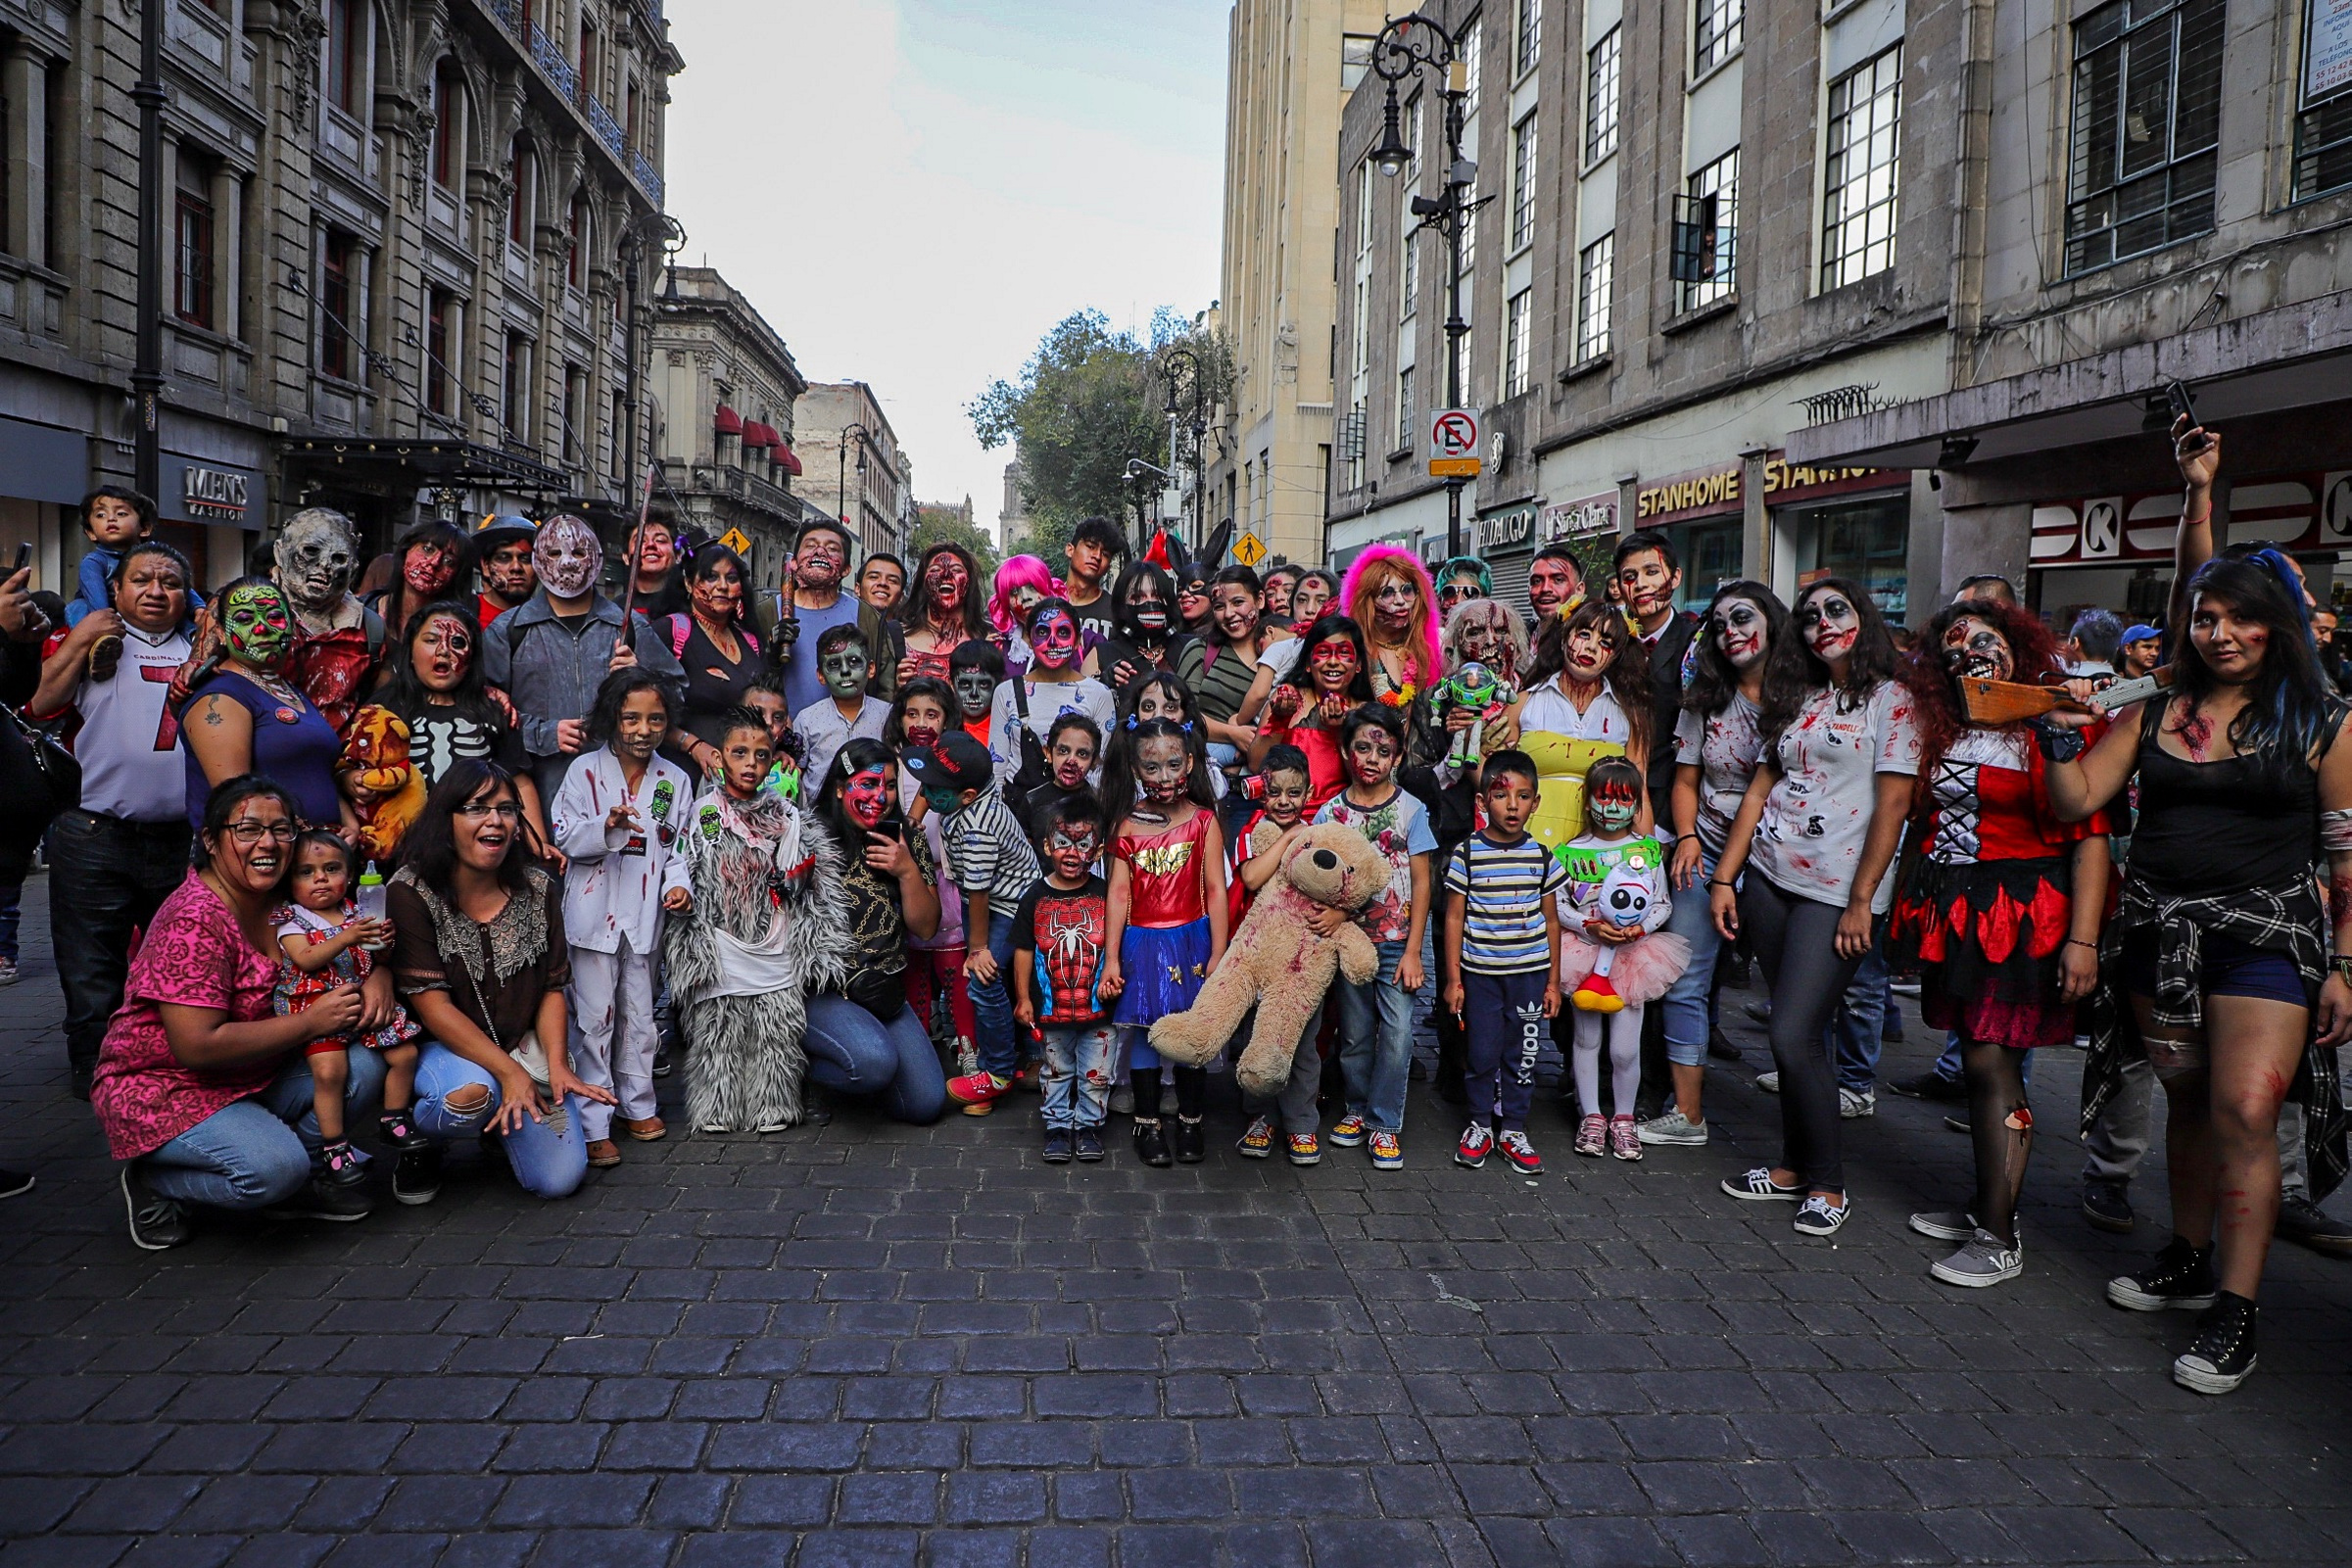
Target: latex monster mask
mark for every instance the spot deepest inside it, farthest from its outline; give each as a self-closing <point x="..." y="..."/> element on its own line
<point x="317" y="555"/>
<point x="568" y="556"/>
<point x="255" y="624"/>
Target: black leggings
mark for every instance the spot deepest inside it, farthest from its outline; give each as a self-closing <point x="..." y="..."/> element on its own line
<point x="1796" y="940"/>
<point x="2000" y="1124"/>
<point x="1191" y="1092"/>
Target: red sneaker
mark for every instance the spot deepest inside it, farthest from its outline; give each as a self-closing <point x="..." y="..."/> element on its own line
<point x="977" y="1093"/>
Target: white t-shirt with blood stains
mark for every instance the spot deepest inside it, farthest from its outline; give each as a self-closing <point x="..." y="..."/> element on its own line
<point x="1809" y="843"/>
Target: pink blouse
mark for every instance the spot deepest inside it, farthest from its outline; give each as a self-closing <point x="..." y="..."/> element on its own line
<point x="193" y="955"/>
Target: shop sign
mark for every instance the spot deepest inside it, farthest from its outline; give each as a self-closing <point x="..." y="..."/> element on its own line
<point x="1508" y="530"/>
<point x="1714" y="492"/>
<point x="2303" y="512"/>
<point x="210" y="492"/>
<point x="1579" y="519"/>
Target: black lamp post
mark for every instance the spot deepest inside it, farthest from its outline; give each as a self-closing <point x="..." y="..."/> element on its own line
<point x="146" y="365"/>
<point x="1406" y="46"/>
<point x="1176" y="359"/>
<point x="840" y="477"/>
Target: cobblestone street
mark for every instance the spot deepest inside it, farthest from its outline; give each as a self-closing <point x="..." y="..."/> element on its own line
<point x="865" y="1344"/>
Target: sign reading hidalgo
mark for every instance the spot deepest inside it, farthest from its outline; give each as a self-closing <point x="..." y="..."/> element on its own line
<point x="1713" y="491"/>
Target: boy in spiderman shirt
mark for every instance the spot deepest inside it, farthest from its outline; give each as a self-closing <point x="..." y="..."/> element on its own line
<point x="1058" y="989"/>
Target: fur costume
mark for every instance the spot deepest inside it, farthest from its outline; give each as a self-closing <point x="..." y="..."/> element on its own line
<point x="375" y="746"/>
<point x="1277" y="965"/>
<point x="754" y="863"/>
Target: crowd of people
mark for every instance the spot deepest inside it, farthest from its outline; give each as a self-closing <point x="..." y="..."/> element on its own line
<point x="484" y="861"/>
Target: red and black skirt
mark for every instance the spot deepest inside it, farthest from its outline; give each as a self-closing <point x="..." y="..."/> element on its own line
<point x="1985" y="939"/>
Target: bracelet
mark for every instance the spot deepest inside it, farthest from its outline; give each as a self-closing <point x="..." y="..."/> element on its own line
<point x="1713" y="882"/>
<point x="1679" y="837"/>
<point x="2077" y="941"/>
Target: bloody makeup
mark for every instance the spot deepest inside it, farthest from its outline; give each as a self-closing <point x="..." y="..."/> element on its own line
<point x="1053" y="639"/>
<point x="1612" y="804"/>
<point x="1974" y="651"/>
<point x="1740" y="632"/>
<point x="427" y="569"/>
<point x="1830" y="624"/>
<point x="1163" y="766"/>
<point x="868" y="796"/>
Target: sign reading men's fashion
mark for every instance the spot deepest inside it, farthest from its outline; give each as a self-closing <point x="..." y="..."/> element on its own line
<point x="216" y="495"/>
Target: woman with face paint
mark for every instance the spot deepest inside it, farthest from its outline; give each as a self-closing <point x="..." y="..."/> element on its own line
<point x="1587" y="698"/>
<point x="2222" y="967"/>
<point x="1388" y="593"/>
<point x="1309" y="599"/>
<point x="433" y="560"/>
<point x="1716" y="744"/>
<point x="1143" y="632"/>
<point x="1192" y="598"/>
<point x="920" y="714"/>
<point x="244" y="716"/>
<point x="721" y="655"/>
<point x="1048" y="689"/>
<point x="1329" y="680"/>
<point x="944" y="611"/>
<point x="1220" y="665"/>
<point x="1999" y="912"/>
<point x="1022" y="581"/>
<point x="435" y="689"/>
<point x="1818" y="826"/>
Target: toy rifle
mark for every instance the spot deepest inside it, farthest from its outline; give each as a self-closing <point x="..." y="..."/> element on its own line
<point x="637" y="536"/>
<point x="2007" y="701"/>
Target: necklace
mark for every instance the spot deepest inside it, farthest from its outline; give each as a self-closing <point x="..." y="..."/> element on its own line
<point x="277" y="687"/>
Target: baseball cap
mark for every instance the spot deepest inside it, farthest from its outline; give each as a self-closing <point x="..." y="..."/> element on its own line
<point x="957" y="762"/>
<point x="2140" y="633"/>
<point x="504" y="528"/>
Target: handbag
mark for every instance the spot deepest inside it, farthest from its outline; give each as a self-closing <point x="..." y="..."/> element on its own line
<point x="38" y="776"/>
<point x="883" y="995"/>
<point x="526" y="1052"/>
<point x="1034" y="772"/>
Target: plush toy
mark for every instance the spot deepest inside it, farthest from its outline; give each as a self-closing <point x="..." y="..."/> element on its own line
<point x="375" y="756"/>
<point x="1632" y="895"/>
<point x="1275" y="964"/>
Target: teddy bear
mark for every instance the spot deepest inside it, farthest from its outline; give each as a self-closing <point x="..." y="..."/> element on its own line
<point x="1275" y="964"/>
<point x="375" y="760"/>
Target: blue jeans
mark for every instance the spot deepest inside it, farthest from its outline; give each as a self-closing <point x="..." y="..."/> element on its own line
<point x="258" y="1151"/>
<point x="1684" y="1006"/>
<point x="992" y="1004"/>
<point x="1853" y="1033"/>
<point x="1376" y="1043"/>
<point x="548" y="1157"/>
<point x="1081" y="1060"/>
<point x="852" y="1052"/>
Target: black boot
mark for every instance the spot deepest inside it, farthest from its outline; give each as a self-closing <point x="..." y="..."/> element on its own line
<point x="1150" y="1147"/>
<point x="1192" y="1145"/>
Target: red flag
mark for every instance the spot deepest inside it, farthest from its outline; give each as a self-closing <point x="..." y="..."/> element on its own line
<point x="1158" y="553"/>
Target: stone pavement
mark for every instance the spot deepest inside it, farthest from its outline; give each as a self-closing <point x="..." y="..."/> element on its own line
<point x="871" y="1344"/>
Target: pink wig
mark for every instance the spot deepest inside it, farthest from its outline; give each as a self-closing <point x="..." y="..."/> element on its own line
<point x="1356" y="601"/>
<point x="1021" y="571"/>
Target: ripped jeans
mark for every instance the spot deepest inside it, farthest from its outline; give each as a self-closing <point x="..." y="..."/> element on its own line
<point x="549" y="1155"/>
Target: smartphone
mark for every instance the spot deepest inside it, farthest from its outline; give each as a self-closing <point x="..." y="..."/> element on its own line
<point x="890" y="828"/>
<point x="2183" y="405"/>
<point x="24" y="557"/>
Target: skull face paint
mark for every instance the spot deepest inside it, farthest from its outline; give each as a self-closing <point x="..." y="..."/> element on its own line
<point x="1974" y="651"/>
<point x="974" y="691"/>
<point x="1163" y="766"/>
<point x="568" y="556"/>
<point x="868" y="796"/>
<point x="1829" y="624"/>
<point x="1611" y="805"/>
<point x="316" y="557"/>
<point x="1741" y="632"/>
<point x="442" y="650"/>
<point x="1053" y="639"/>
<point x="257" y="625"/>
<point x="846" y="671"/>
<point x="427" y="569"/>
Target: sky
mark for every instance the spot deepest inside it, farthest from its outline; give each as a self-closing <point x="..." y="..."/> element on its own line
<point x="912" y="191"/>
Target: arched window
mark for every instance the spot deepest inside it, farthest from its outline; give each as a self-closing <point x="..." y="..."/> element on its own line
<point x="449" y="102"/>
<point x="519" y="210"/>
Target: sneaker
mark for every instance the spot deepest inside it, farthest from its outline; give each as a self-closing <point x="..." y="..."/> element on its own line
<point x="1758" y="1186"/>
<point x="1520" y="1153"/>
<point x="1058" y="1145"/>
<point x="1769" y="1082"/>
<point x="1853" y="1102"/>
<point x="16" y="1183"/>
<point x="1123" y="1100"/>
<point x="2180" y="1277"/>
<point x="1150" y="1147"/>
<point x="157" y="1223"/>
<point x="416" y="1175"/>
<point x="1086" y="1144"/>
<point x="1387" y="1153"/>
<point x="1624" y="1139"/>
<point x="602" y="1154"/>
<point x="343" y="1165"/>
<point x="1592" y="1136"/>
<point x="1191" y="1146"/>
<point x="976" y="1092"/>
<point x="2302" y="1220"/>
<point x="396" y="1129"/>
<point x="1818" y="1216"/>
<point x="967" y="1057"/>
<point x="1259" y="1140"/>
<point x="1305" y="1149"/>
<point x="1761" y="1012"/>
<point x="1672" y="1128"/>
<point x="322" y="1199"/>
<point x="1475" y="1144"/>
<point x="1982" y="1260"/>
<point x="1904" y="986"/>
<point x="2221" y="1354"/>
<point x="1928" y="1086"/>
<point x="1743" y="969"/>
<point x="9" y="975"/>
<point x="1347" y="1131"/>
<point x="106" y="657"/>
<point x="2107" y="1207"/>
<point x="1945" y="1224"/>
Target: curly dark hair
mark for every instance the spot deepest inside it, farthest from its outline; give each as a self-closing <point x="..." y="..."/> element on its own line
<point x="1795" y="672"/>
<point x="1936" y="706"/>
<point x="1713" y="678"/>
<point x="1628" y="674"/>
<point x="605" y="714"/>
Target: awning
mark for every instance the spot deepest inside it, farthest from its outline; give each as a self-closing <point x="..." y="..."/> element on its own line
<point x="727" y="422"/>
<point x="756" y="434"/>
<point x="444" y="462"/>
<point x="790" y="460"/>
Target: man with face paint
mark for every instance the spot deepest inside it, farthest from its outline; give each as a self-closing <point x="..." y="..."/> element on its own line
<point x="502" y="553"/>
<point x="551" y="653"/>
<point x="337" y="640"/>
<point x="818" y="581"/>
<point x="1049" y="688"/>
<point x="847" y="712"/>
<point x="1554" y="584"/>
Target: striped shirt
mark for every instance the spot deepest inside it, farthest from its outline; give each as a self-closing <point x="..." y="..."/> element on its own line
<point x="987" y="852"/>
<point x="1220" y="685"/>
<point x="1501" y="888"/>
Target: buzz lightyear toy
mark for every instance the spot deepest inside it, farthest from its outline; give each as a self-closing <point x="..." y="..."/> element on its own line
<point x="1474" y="686"/>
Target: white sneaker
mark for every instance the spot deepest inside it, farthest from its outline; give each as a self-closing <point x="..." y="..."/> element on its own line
<point x="1673" y="1127"/>
<point x="1769" y="1082"/>
<point x="1853" y="1103"/>
<point x="1985" y="1259"/>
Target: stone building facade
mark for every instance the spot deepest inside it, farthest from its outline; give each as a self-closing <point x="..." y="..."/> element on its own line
<point x="870" y="480"/>
<point x="399" y="244"/>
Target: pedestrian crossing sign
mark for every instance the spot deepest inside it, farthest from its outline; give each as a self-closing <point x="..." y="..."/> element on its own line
<point x="1248" y="550"/>
<point x="733" y="539"/>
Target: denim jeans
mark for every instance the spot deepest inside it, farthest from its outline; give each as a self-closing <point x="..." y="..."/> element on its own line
<point x="1686" y="1004"/>
<point x="1376" y="1043"/>
<point x="992" y="1004"/>
<point x="107" y="878"/>
<point x="1079" y="1060"/>
<point x="258" y="1151"/>
<point x="1853" y="1031"/>
<point x="549" y="1155"/>
<point x="851" y="1051"/>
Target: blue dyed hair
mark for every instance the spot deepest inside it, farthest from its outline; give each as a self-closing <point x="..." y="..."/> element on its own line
<point x="2290" y="707"/>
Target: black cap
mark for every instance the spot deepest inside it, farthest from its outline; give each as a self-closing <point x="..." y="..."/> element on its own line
<point x="957" y="762"/>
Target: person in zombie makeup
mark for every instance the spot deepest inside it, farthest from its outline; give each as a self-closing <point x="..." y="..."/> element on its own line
<point x="1587" y="698"/>
<point x="551" y="655"/>
<point x="432" y="558"/>
<point x="1222" y="663"/>
<point x="847" y="712"/>
<point x="1555" y="584"/>
<point x="1278" y="585"/>
<point x="721" y="654"/>
<point x="1818" y="830"/>
<point x="923" y="711"/>
<point x="1716" y="744"/>
<point x="1310" y="595"/>
<point x="1143" y="635"/>
<point x="1060" y="937"/>
<point x="501" y="545"/>
<point x="945" y="610"/>
<point x="336" y="639"/>
<point x="820" y="599"/>
<point x="1050" y="687"/>
<point x="975" y="670"/>
<point x="435" y="689"/>
<point x="1021" y="582"/>
<point x="1327" y="682"/>
<point x="1648" y="577"/>
<point x="244" y="715"/>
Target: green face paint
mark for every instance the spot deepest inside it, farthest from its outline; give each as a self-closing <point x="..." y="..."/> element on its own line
<point x="257" y="625"/>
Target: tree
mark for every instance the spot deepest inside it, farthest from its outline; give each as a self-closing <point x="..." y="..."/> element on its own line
<point x="933" y="524"/>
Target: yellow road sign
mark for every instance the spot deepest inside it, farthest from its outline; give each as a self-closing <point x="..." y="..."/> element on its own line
<point x="733" y="539"/>
<point x="1453" y="468"/>
<point x="1248" y="550"/>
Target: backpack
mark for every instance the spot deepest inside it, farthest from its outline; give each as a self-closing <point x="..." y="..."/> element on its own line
<point x="1034" y="771"/>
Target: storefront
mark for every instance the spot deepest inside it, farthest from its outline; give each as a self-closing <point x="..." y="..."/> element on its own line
<point x="2116" y="552"/>
<point x="1505" y="541"/>
<point x="211" y="512"/>
<point x="44" y="472"/>
<point x="1822" y="522"/>
<point x="1587" y="526"/>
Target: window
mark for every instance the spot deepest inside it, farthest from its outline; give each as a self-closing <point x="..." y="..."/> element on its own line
<point x="1406" y="412"/>
<point x="515" y="371"/>
<point x="1522" y="183"/>
<point x="617" y="437"/>
<point x="192" y="237"/>
<point x="519" y="200"/>
<point x="339" y="261"/>
<point x="1527" y="38"/>
<point x="1707" y="231"/>
<point x="445" y="98"/>
<point x="439" y="307"/>
<point x="1352" y="446"/>
<point x="345" y="53"/>
<point x="1408" y="227"/>
<point x="2323" y="126"/>
<point x="575" y="385"/>
<point x="1715" y="32"/>
<point x="1468" y="49"/>
<point x="1600" y="72"/>
<point x="588" y="59"/>
<point x="2147" y="99"/>
<point x="1595" y="266"/>
<point x="1518" y="314"/>
<point x="1859" y="172"/>
<point x="1364" y="208"/>
<point x="1359" y="337"/>
<point x="575" y="234"/>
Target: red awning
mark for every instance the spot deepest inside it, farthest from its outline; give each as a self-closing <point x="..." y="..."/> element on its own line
<point x="786" y="456"/>
<point x="727" y="422"/>
<point x="756" y="433"/>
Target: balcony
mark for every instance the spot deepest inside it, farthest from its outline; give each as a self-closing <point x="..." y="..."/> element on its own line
<point x="562" y="78"/>
<point x="551" y="61"/>
<point x="738" y="484"/>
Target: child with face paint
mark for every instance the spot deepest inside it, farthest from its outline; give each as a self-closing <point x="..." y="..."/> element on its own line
<point x="765" y="697"/>
<point x="1325" y="683"/>
<point x="845" y="712"/>
<point x="975" y="670"/>
<point x="1166" y="917"/>
<point x="1072" y="752"/>
<point x="1060" y="937"/>
<point x="1257" y="855"/>
<point x="1050" y="687"/>
<point x="1375" y="1017"/>
<point x="1612" y="948"/>
<point x="991" y="860"/>
<point x="919" y="714"/>
<point x="618" y="817"/>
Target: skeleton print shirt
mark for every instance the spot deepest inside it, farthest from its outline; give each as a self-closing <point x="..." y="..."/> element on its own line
<point x="440" y="737"/>
<point x="1062" y="930"/>
<point x="1809" y="843"/>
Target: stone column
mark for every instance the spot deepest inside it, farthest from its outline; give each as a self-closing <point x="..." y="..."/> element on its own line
<point x="229" y="252"/>
<point x="25" y="73"/>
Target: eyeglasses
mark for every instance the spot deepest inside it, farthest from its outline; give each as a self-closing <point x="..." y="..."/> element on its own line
<point x="478" y="809"/>
<point x="249" y="831"/>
